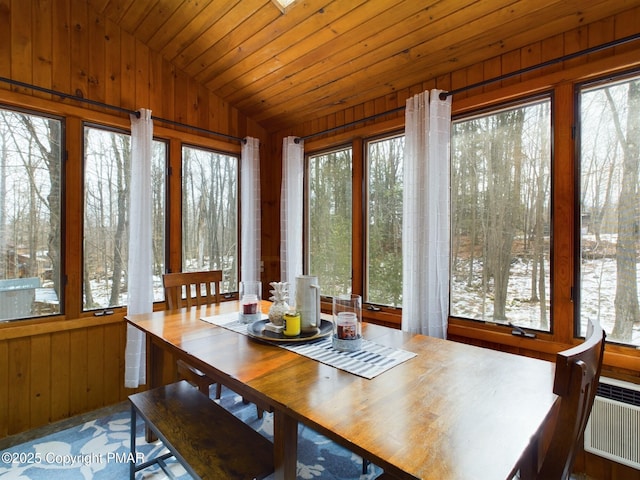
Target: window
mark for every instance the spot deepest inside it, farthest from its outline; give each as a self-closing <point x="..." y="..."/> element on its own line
<point x="384" y="230"/>
<point x="210" y="214"/>
<point x="107" y="156"/>
<point x="500" y="215"/>
<point x="610" y="208"/>
<point x="329" y="220"/>
<point x="30" y="215"/>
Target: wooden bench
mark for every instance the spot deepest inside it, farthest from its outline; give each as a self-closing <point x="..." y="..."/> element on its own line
<point x="209" y="441"/>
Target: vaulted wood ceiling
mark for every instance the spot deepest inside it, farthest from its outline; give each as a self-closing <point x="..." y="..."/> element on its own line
<point x="321" y="56"/>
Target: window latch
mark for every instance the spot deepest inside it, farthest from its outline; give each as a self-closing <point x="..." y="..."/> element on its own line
<point x="521" y="332"/>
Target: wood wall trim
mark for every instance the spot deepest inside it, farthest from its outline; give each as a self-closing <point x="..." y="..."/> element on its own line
<point x="19" y="329"/>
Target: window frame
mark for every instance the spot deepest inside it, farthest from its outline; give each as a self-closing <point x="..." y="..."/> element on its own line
<point x="365" y="220"/>
<point x="306" y="223"/>
<point x="26" y="110"/>
<point x="73" y="121"/>
<point x="233" y="290"/>
<point x="493" y="108"/>
<point x="382" y="314"/>
<point x="578" y="88"/>
<point x="108" y="310"/>
<point x="564" y="184"/>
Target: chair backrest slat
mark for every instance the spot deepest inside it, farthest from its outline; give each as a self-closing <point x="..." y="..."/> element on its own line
<point x="576" y="381"/>
<point x="185" y="289"/>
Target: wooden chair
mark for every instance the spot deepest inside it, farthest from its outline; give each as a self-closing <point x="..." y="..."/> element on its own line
<point x="189" y="289"/>
<point x="185" y="289"/>
<point x="576" y="381"/>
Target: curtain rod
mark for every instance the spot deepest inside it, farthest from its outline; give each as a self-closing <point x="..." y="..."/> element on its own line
<point x="199" y="129"/>
<point x="564" y="58"/>
<point x="350" y="124"/>
<point x="77" y="98"/>
<point x="444" y="95"/>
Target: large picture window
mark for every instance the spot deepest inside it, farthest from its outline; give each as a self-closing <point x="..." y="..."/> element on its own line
<point x="500" y="193"/>
<point x="107" y="156"/>
<point x="30" y="215"/>
<point x="329" y="237"/>
<point x="610" y="208"/>
<point x="384" y="228"/>
<point x="210" y="214"/>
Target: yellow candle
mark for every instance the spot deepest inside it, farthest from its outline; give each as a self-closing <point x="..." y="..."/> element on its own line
<point x="291" y="324"/>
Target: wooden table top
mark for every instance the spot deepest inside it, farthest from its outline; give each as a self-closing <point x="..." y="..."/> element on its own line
<point x="454" y="411"/>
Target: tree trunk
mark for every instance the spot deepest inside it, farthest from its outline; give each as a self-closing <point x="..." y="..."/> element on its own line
<point x="626" y="299"/>
<point x="505" y="172"/>
<point x="120" y="239"/>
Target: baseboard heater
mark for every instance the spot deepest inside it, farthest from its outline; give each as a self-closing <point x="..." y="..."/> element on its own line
<point x="613" y="430"/>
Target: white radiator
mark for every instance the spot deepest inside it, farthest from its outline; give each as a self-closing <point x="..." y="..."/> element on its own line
<point x="613" y="430"/>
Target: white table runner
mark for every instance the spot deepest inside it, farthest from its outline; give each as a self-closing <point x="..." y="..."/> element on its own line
<point x="368" y="362"/>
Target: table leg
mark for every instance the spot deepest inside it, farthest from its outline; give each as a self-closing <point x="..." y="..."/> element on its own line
<point x="155" y="356"/>
<point x="132" y="463"/>
<point x="155" y="363"/>
<point x="285" y="446"/>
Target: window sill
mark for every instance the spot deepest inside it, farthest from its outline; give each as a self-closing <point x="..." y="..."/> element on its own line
<point x="498" y="338"/>
<point x="388" y="317"/>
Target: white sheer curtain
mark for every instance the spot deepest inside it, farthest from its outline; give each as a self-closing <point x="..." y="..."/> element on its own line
<point x="250" y="206"/>
<point x="426" y="231"/>
<point x="291" y="204"/>
<point x="140" y="281"/>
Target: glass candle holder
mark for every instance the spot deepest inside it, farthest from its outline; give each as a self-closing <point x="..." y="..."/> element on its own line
<point x="250" y="299"/>
<point x="347" y="323"/>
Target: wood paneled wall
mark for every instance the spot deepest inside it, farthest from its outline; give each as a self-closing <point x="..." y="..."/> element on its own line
<point x="51" y="369"/>
<point x="54" y="373"/>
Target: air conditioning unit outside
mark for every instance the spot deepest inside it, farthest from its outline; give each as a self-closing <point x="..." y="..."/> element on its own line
<point x="613" y="429"/>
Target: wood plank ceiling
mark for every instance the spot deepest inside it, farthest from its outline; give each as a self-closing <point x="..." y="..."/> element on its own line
<point x="320" y="56"/>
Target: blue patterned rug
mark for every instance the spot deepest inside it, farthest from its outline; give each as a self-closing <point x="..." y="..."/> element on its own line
<point x="100" y="449"/>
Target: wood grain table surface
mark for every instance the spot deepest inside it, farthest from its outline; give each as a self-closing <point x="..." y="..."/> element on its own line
<point x="454" y="411"/>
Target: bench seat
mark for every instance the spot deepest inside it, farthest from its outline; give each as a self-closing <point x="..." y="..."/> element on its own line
<point x="206" y="439"/>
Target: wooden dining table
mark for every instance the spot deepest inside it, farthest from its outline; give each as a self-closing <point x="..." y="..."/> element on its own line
<point x="453" y="411"/>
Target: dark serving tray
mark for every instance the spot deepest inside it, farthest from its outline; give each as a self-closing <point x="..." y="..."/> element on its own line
<point x="256" y="330"/>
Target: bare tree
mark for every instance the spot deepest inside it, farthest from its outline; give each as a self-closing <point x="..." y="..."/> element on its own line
<point x="504" y="167"/>
<point x="122" y="156"/>
<point x="209" y="227"/>
<point x="539" y="185"/>
<point x="50" y="152"/>
<point x="626" y="299"/>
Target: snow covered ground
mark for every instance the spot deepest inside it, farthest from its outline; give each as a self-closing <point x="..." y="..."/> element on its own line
<point x="598" y="296"/>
